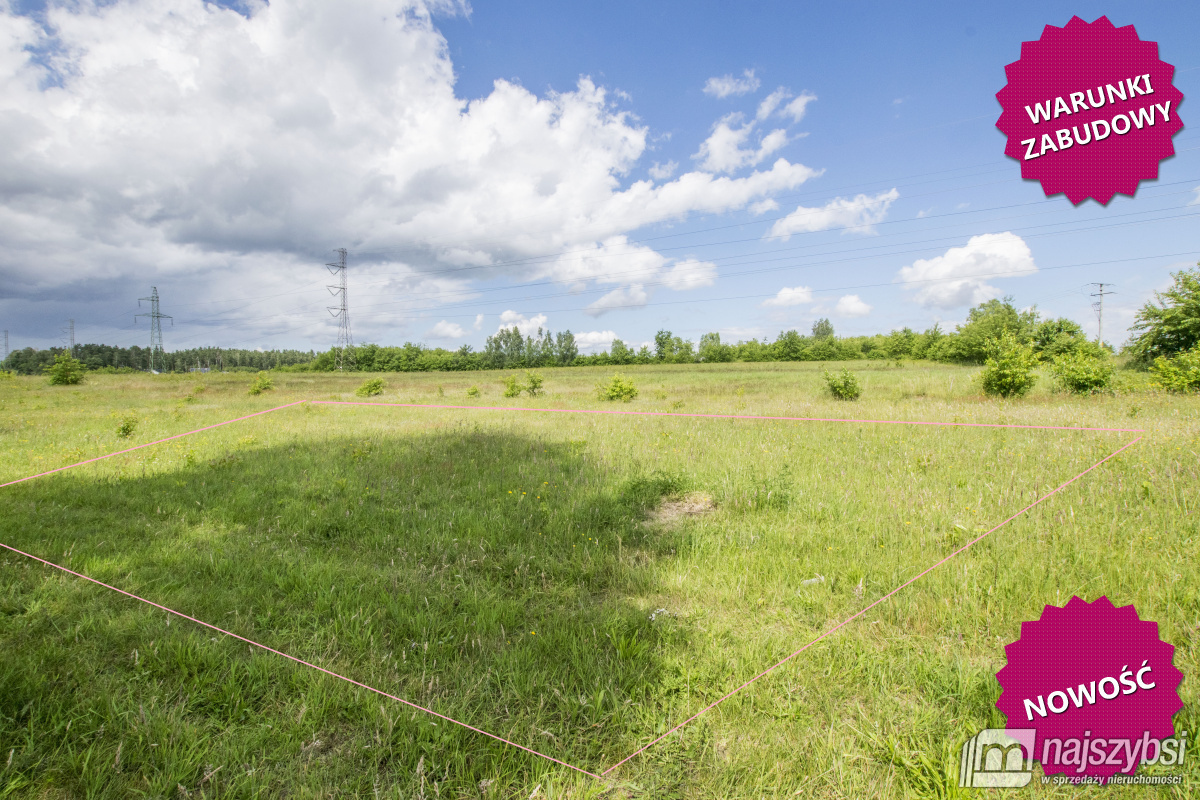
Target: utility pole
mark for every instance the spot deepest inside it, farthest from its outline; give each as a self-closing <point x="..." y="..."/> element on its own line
<point x="345" y="345"/>
<point x="157" y="358"/>
<point x="1099" y="307"/>
<point x="69" y="337"/>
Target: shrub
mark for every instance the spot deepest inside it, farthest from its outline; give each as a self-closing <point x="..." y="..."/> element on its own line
<point x="370" y="388"/>
<point x="618" y="388"/>
<point x="512" y="387"/>
<point x="1080" y="373"/>
<point x="1178" y="374"/>
<point x="1008" y="370"/>
<point x="128" y="425"/>
<point x="533" y="384"/>
<point x="65" y="371"/>
<point x="843" y="386"/>
<point x="6" y="375"/>
<point x="262" y="383"/>
<point x="473" y="391"/>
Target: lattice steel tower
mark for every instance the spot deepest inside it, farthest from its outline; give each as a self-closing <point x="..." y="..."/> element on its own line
<point x="156" y="345"/>
<point x="69" y="337"/>
<point x="345" y="344"/>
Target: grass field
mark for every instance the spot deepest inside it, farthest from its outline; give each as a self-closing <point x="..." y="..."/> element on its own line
<point x="533" y="575"/>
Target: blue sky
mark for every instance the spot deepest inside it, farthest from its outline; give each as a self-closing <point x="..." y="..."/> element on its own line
<point x="624" y="175"/>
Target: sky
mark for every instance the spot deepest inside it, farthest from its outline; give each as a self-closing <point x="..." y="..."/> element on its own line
<point x="609" y="168"/>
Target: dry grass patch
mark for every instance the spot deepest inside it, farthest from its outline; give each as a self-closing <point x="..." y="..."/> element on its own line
<point x="674" y="509"/>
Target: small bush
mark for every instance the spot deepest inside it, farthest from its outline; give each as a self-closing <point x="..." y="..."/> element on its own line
<point x="1008" y="370"/>
<point x="473" y="391"/>
<point x="262" y="383"/>
<point x="6" y="375"/>
<point x="370" y="388"/>
<point x="1178" y="374"/>
<point x="128" y="425"/>
<point x="512" y="387"/>
<point x="65" y="371"/>
<point x="618" y="388"/>
<point x="844" y="386"/>
<point x="1081" y="373"/>
<point x="533" y="384"/>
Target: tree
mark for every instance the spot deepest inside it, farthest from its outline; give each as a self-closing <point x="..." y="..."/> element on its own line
<point x="989" y="321"/>
<point x="822" y="329"/>
<point x="662" y="346"/>
<point x="620" y="353"/>
<point x="1060" y="337"/>
<point x="711" y="350"/>
<point x="65" y="371"/>
<point x="789" y="346"/>
<point x="565" y="348"/>
<point x="1169" y="324"/>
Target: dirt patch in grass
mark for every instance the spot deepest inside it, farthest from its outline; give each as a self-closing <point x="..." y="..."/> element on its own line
<point x="674" y="509"/>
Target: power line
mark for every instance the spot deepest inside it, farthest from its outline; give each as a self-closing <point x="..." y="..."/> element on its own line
<point x="345" y="344"/>
<point x="157" y="359"/>
<point x="1099" y="307"/>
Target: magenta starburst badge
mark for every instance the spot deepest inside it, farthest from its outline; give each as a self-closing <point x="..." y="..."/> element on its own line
<point x="1098" y="686"/>
<point x="1089" y="110"/>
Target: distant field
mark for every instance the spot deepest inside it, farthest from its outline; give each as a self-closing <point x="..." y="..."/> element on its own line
<point x="533" y="575"/>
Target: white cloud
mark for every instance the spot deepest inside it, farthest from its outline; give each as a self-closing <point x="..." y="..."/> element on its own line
<point x="1196" y="199"/>
<point x="850" y="305"/>
<point x="727" y="85"/>
<point x="594" y="340"/>
<point x="725" y="151"/>
<point x="960" y="276"/>
<point x="771" y="102"/>
<point x="796" y="108"/>
<point x="446" y="330"/>
<point x="690" y="274"/>
<point x="526" y="325"/>
<point x="795" y="296"/>
<point x="633" y="296"/>
<point x="184" y="144"/>
<point x="661" y="172"/>
<point x="857" y="214"/>
<point x="763" y="206"/>
<point x="478" y="321"/>
<point x="616" y="261"/>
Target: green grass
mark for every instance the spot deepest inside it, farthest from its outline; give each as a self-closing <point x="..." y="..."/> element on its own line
<point x="497" y="568"/>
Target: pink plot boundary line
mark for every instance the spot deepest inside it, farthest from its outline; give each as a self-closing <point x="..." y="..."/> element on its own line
<point x="297" y="660"/>
<point x="729" y="416"/>
<point x="148" y="444"/>
<point x="850" y="619"/>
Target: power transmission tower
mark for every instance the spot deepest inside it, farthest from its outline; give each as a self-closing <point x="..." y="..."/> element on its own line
<point x="6" y="345"/>
<point x="1099" y="308"/>
<point x="69" y="337"/>
<point x="157" y="359"/>
<point x="345" y="345"/>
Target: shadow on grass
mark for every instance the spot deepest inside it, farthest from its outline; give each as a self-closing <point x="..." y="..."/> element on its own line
<point x="484" y="575"/>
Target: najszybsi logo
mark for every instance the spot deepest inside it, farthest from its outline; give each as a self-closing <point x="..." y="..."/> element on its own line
<point x="999" y="758"/>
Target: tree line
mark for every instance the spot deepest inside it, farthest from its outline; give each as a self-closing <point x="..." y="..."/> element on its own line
<point x="1164" y="328"/>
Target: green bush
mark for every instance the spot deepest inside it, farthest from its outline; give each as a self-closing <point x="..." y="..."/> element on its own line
<point x="473" y="391"/>
<point x="128" y="425"/>
<point x="65" y="371"/>
<point x="533" y="384"/>
<point x="1008" y="370"/>
<point x="1178" y="374"/>
<point x="7" y="375"/>
<point x="618" y="388"/>
<point x="262" y="383"/>
<point x="512" y="387"/>
<point x="1081" y="373"/>
<point x="370" y="388"/>
<point x="843" y="386"/>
